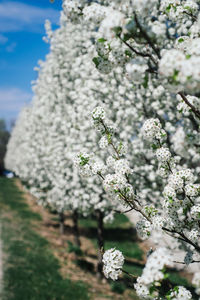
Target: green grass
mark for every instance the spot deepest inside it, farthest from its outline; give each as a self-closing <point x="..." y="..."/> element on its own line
<point x="120" y="220"/>
<point x="118" y="287"/>
<point x="175" y="278"/>
<point x="72" y="248"/>
<point x="87" y="223"/>
<point x="133" y="269"/>
<point x="118" y="234"/>
<point x="128" y="248"/>
<point x="31" y="272"/>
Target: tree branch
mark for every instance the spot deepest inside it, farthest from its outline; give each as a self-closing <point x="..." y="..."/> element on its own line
<point x="147" y="38"/>
<point x="194" y="110"/>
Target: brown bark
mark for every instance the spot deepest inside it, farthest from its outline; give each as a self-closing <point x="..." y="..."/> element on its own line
<point x="76" y="229"/>
<point x="100" y="240"/>
<point x="61" y="222"/>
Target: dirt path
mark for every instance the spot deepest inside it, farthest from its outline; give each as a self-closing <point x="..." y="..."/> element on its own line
<point x="99" y="289"/>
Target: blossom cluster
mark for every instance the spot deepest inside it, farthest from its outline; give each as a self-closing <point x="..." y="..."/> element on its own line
<point x="153" y="272"/>
<point x="149" y="284"/>
<point x="113" y="261"/>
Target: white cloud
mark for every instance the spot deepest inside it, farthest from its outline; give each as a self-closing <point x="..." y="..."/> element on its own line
<point x="17" y="16"/>
<point x="3" y="39"/>
<point x="12" y="100"/>
<point x="11" y="47"/>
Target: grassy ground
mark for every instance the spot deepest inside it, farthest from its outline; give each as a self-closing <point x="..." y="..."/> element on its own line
<point x="121" y="235"/>
<point x="31" y="271"/>
<point x="38" y="259"/>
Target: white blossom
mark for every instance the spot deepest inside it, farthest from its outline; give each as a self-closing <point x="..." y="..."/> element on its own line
<point x="113" y="261"/>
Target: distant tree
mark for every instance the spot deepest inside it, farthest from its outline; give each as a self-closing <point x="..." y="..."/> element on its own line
<point x="4" y="136"/>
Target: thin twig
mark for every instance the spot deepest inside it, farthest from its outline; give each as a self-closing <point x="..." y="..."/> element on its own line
<point x="194" y="110"/>
<point x="138" y="52"/>
<point x="123" y="212"/>
<point x="183" y="263"/>
<point x="133" y="276"/>
<point x="147" y="38"/>
<point x="191" y="15"/>
<point x="100" y="175"/>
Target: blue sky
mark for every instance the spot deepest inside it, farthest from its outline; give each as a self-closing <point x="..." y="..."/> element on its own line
<point x="21" y="46"/>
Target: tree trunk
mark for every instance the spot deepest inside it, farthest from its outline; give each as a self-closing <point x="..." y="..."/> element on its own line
<point x="100" y="239"/>
<point x="61" y="222"/>
<point x="76" y="229"/>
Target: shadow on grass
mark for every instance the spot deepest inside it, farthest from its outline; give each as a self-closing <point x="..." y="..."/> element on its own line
<point x="16" y="203"/>
<point x="85" y="265"/>
<point x="111" y="234"/>
<point x="31" y="272"/>
<point x="122" y="235"/>
<point x="119" y="234"/>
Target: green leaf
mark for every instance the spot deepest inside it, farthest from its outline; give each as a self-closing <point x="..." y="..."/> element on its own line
<point x="152" y="289"/>
<point x="176" y="289"/>
<point x="188" y="56"/>
<point x="128" y="53"/>
<point x="120" y="146"/>
<point x="84" y="160"/>
<point x="154" y="146"/>
<point x="127" y="37"/>
<point x="175" y="75"/>
<point x="146" y="79"/>
<point x="109" y="137"/>
<point x="117" y="30"/>
<point x="101" y="40"/>
<point x="180" y="40"/>
<point x="166" y="275"/>
<point x="96" y="61"/>
<point x="168" y="8"/>
<point x="188" y="8"/>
